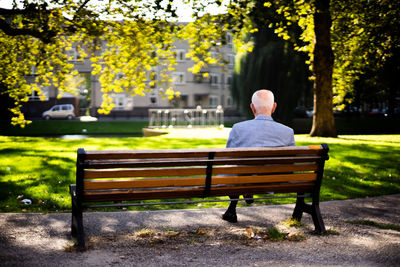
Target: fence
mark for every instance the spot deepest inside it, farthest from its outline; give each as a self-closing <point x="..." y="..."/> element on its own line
<point x="198" y="117"/>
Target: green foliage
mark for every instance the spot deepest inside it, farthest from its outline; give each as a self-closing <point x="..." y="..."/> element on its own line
<point x="28" y="65"/>
<point x="38" y="37"/>
<point x="274" y="65"/>
<point x="291" y="16"/>
<point x="307" y="25"/>
<point x="128" y="55"/>
<point x="35" y="40"/>
<point x="364" y="40"/>
<point x="131" y="55"/>
<point x="274" y="234"/>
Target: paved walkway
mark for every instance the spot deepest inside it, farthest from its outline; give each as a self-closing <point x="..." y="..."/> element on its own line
<point x="201" y="238"/>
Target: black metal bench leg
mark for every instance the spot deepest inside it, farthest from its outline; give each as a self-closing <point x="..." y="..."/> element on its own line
<point x="313" y="210"/>
<point x="317" y="219"/>
<point x="77" y="227"/>
<point x="77" y="221"/>
<point x="74" y="226"/>
<point x="299" y="208"/>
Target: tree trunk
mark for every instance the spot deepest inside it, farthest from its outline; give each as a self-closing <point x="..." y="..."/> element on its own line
<point x="323" y="120"/>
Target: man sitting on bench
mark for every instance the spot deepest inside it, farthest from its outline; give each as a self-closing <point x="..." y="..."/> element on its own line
<point x="262" y="131"/>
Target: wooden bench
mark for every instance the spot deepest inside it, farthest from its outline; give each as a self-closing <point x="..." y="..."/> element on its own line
<point x="119" y="178"/>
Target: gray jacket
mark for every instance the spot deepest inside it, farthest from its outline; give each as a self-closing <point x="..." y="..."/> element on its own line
<point x="262" y="131"/>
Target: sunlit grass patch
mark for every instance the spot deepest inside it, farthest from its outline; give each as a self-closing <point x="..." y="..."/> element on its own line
<point x="359" y="165"/>
<point x="291" y="222"/>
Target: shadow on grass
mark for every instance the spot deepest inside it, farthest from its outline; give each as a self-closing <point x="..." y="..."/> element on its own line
<point x="41" y="177"/>
<point x="9" y="151"/>
<point x="360" y="170"/>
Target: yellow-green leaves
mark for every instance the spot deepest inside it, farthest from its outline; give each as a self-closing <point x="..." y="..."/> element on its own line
<point x="136" y="56"/>
<point x="29" y="65"/>
<point x="267" y="4"/>
<point x="131" y="56"/>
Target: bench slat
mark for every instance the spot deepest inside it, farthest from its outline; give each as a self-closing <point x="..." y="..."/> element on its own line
<point x="201" y="153"/>
<point x="109" y="164"/>
<point x="130" y="195"/>
<point x="264" y="169"/>
<point x="157" y="172"/>
<point x="151" y="172"/>
<point x="196" y="181"/>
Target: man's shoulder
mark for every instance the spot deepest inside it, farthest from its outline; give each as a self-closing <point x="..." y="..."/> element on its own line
<point x="254" y="123"/>
<point x="283" y="126"/>
<point x="243" y="124"/>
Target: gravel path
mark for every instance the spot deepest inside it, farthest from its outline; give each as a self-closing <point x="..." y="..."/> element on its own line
<point x="201" y="238"/>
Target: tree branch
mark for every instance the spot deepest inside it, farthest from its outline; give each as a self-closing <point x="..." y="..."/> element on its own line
<point x="30" y="9"/>
<point x="12" y="12"/>
<point x="45" y="36"/>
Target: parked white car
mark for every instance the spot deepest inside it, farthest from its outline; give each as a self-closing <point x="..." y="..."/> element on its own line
<point x="65" y="111"/>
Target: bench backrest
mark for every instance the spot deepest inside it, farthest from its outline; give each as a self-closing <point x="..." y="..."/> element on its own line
<point x="187" y="173"/>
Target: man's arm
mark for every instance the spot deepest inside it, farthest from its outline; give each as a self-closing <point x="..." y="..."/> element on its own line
<point x="292" y="142"/>
<point x="231" y="138"/>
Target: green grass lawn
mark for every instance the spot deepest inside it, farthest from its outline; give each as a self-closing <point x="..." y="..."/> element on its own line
<point x="41" y="169"/>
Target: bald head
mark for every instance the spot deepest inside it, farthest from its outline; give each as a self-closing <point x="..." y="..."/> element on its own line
<point x="262" y="102"/>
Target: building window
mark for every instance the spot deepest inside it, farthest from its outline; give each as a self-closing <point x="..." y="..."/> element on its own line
<point x="153" y="76"/>
<point x="229" y="80"/>
<point x="215" y="55"/>
<point x="34" y="96"/>
<point x="119" y="101"/>
<point x="33" y="71"/>
<point x="213" y="101"/>
<point x="122" y="102"/>
<point x="214" y="79"/>
<point x="103" y="50"/>
<point x="153" y="97"/>
<point x="229" y="39"/>
<point x="153" y="79"/>
<point x="229" y="101"/>
<point x="231" y="59"/>
<point x="178" y="78"/>
<point x="73" y="54"/>
<point x="153" y="100"/>
<point x="128" y="103"/>
<point x="198" y="77"/>
<point x="180" y="55"/>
